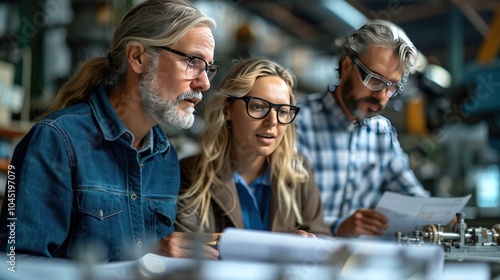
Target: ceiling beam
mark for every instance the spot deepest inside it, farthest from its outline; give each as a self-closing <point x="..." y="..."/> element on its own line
<point x="473" y="16"/>
<point x="398" y="13"/>
<point x="491" y="44"/>
<point x="286" y="19"/>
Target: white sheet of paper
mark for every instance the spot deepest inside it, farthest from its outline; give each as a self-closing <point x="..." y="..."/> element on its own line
<point x="408" y="213"/>
<point x="240" y="244"/>
<point x="357" y="257"/>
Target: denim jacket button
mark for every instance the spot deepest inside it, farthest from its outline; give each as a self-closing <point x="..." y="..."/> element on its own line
<point x="139" y="243"/>
<point x="133" y="196"/>
<point x="142" y="165"/>
<point x="101" y="213"/>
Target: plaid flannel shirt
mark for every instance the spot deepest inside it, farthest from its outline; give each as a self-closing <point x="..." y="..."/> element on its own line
<point x="354" y="163"/>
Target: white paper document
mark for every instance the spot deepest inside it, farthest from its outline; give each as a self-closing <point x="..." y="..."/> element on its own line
<point x="240" y="244"/>
<point x="408" y="213"/>
<point x="352" y="258"/>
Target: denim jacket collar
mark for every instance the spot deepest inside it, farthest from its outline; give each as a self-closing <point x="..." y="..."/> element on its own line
<point x="113" y="128"/>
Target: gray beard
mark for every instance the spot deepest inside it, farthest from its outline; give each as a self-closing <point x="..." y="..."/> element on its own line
<point x="164" y="110"/>
<point x="353" y="108"/>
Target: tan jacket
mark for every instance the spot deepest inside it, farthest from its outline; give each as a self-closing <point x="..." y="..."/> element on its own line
<point x="220" y="216"/>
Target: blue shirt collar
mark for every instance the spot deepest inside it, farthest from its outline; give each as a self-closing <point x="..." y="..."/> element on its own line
<point x="263" y="179"/>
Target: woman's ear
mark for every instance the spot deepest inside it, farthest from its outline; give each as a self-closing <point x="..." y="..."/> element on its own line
<point x="227" y="111"/>
<point x="136" y="57"/>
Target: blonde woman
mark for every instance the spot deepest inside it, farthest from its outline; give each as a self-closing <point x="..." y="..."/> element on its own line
<point x="249" y="174"/>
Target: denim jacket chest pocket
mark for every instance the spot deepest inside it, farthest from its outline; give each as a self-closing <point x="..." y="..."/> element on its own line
<point x="162" y="218"/>
<point x="96" y="218"/>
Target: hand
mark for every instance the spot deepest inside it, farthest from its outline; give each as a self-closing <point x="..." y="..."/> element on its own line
<point x="181" y="245"/>
<point x="363" y="222"/>
<point x="304" y="233"/>
<point x="454" y="220"/>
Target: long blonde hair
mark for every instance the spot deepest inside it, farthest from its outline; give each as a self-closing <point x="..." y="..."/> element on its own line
<point x="216" y="162"/>
<point x="150" y="23"/>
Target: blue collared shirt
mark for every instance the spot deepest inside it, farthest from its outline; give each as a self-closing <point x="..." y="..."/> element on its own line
<point x="353" y="163"/>
<point x="255" y="201"/>
<point x="78" y="180"/>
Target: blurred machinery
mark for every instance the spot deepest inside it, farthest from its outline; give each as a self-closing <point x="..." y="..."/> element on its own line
<point x="483" y="98"/>
<point x="464" y="122"/>
<point x="458" y="241"/>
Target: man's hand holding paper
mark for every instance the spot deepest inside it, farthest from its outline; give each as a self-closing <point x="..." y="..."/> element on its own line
<point x="407" y="213"/>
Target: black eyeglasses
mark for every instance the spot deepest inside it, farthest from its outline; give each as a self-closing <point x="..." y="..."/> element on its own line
<point x="259" y="108"/>
<point x="196" y="65"/>
<point x="375" y="82"/>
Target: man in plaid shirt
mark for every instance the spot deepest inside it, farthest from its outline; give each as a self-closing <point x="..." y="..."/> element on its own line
<point x="354" y="151"/>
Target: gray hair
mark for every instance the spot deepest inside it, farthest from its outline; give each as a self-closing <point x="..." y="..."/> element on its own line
<point x="380" y="33"/>
<point x="154" y="23"/>
<point x="149" y="23"/>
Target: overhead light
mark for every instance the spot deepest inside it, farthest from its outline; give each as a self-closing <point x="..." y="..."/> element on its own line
<point x="438" y="75"/>
<point x="354" y="18"/>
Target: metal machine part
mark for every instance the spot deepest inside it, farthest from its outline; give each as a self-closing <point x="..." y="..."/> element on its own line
<point x="457" y="239"/>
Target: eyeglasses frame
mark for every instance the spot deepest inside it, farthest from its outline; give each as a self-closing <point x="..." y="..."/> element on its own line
<point x="365" y="72"/>
<point x="191" y="57"/>
<point x="271" y="105"/>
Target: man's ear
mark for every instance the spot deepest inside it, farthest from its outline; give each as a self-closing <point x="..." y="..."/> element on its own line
<point x="346" y="63"/>
<point x="136" y="57"/>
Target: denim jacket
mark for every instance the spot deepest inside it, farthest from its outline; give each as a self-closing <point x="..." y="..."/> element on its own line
<point x="79" y="181"/>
